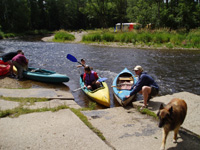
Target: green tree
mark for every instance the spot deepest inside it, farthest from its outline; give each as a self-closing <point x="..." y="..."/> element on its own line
<point x="180" y="14"/>
<point x="141" y="11"/>
<point x="15" y="15"/>
<point x="98" y="12"/>
<point x="120" y="7"/>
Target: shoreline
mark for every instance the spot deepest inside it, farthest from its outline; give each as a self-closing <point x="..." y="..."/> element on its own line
<point x="79" y="35"/>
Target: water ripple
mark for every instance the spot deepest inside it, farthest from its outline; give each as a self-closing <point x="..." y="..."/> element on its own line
<point x="174" y="71"/>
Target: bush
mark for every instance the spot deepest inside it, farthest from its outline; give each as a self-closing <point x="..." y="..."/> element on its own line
<point x="148" y="37"/>
<point x="9" y="35"/>
<point x="177" y="39"/>
<point x="108" y="37"/>
<point x="193" y="38"/>
<point x="144" y="37"/>
<point x="161" y="38"/>
<point x="94" y="37"/>
<point x="1" y="35"/>
<point x="63" y="36"/>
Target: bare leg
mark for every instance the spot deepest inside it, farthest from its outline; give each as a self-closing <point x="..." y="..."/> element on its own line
<point x="89" y="87"/>
<point x="146" y="90"/>
<point x="98" y="84"/>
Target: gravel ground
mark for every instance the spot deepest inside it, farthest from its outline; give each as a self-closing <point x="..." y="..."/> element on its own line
<point x="6" y="82"/>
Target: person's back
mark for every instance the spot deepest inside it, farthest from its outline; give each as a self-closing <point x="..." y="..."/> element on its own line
<point x="20" y="58"/>
<point x="145" y="80"/>
<point x="8" y="56"/>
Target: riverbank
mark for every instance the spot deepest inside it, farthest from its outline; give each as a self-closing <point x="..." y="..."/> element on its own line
<point x="79" y="36"/>
<point x="62" y="124"/>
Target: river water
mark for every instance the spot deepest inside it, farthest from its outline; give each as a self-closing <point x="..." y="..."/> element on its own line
<point x="174" y="70"/>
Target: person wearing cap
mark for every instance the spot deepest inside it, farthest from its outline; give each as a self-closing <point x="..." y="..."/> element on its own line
<point x="90" y="78"/>
<point x="145" y="86"/>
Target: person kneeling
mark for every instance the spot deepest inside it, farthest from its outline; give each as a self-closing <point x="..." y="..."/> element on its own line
<point x="90" y="78"/>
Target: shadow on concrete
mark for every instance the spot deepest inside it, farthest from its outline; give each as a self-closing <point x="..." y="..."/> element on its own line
<point x="188" y="141"/>
<point x="154" y="106"/>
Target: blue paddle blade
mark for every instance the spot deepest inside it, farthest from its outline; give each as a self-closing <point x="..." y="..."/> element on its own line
<point x="71" y="58"/>
<point x="102" y="79"/>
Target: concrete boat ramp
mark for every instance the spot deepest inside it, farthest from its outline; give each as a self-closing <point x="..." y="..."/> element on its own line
<point x="123" y="128"/>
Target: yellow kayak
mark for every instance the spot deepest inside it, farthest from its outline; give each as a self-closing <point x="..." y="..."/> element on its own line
<point x="100" y="95"/>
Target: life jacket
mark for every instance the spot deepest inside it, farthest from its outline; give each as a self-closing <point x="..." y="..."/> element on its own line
<point x="89" y="78"/>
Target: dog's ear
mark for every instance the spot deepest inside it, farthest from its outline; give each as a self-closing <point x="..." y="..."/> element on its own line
<point x="161" y="106"/>
<point x="171" y="110"/>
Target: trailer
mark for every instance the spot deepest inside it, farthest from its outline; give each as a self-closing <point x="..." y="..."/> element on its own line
<point x="126" y="26"/>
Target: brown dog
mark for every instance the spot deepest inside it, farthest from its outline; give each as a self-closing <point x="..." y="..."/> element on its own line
<point x="171" y="117"/>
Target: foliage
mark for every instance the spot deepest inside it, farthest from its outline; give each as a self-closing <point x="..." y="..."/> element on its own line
<point x="108" y="37"/>
<point x="149" y="37"/>
<point x="62" y="36"/>
<point x="21" y="110"/>
<point x="24" y="100"/>
<point x="92" y="105"/>
<point x="148" y="112"/>
<point x="29" y="15"/>
<point x="1" y="35"/>
<point x="93" y="37"/>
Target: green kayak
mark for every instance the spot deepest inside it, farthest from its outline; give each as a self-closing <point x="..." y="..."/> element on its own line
<point x="43" y="75"/>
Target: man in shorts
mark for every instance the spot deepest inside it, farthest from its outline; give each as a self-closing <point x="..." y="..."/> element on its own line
<point x="145" y="86"/>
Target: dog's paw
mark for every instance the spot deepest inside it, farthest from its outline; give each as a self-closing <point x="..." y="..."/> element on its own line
<point x="162" y="148"/>
<point x="174" y="141"/>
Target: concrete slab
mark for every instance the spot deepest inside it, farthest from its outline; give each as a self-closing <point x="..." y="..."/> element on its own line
<point x="59" y="130"/>
<point x="4" y="104"/>
<point x="54" y="103"/>
<point x="38" y="92"/>
<point x="192" y="120"/>
<point x="127" y="129"/>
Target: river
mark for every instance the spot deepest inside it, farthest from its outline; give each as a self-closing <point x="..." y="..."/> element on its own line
<point x="174" y="70"/>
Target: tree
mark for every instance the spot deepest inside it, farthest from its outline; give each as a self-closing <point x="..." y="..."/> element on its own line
<point x="120" y="6"/>
<point x="141" y="11"/>
<point x="98" y="12"/>
<point x="15" y="15"/>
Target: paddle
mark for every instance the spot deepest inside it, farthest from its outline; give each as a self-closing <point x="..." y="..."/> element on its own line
<point x="100" y="80"/>
<point x="78" y="89"/>
<point x="72" y="58"/>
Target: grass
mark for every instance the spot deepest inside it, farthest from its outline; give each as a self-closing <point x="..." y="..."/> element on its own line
<point x="63" y="36"/>
<point x="148" y="112"/>
<point x="24" y="100"/>
<point x="156" y="38"/>
<point x="85" y="120"/>
<point x="16" y="112"/>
